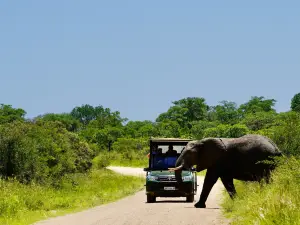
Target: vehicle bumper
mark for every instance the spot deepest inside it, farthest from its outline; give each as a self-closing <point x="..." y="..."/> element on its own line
<point x="158" y="189"/>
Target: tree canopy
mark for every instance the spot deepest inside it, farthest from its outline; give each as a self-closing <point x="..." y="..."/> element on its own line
<point x="56" y="144"/>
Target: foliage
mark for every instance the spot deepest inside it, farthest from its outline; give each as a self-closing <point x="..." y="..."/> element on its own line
<point x="25" y="204"/>
<point x="137" y="129"/>
<point x="99" y="115"/>
<point x="259" y="120"/>
<point x="129" y="152"/>
<point x="70" y="123"/>
<point x="227" y="131"/>
<point x="52" y="150"/>
<point x="295" y="103"/>
<point x="198" y="128"/>
<point x="287" y="133"/>
<point x="41" y="151"/>
<point x="9" y="114"/>
<point x="185" y="110"/>
<point x="277" y="203"/>
<point x="226" y="112"/>
<point x="257" y="104"/>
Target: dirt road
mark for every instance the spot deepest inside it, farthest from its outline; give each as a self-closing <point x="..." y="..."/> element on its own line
<point x="134" y="210"/>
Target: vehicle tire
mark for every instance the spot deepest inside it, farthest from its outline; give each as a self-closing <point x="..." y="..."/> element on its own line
<point x="151" y="198"/>
<point x="190" y="198"/>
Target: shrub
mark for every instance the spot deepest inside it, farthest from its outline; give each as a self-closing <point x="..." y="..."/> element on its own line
<point x="41" y="151"/>
<point x="227" y="131"/>
<point x="101" y="161"/>
<point x="276" y="203"/>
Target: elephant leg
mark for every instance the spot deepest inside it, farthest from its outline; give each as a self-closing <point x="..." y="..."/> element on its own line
<point x="210" y="179"/>
<point x="228" y="184"/>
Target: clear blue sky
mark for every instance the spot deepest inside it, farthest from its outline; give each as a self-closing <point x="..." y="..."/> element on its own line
<point x="139" y="56"/>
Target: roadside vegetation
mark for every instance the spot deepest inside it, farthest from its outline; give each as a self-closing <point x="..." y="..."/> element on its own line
<point x="24" y="204"/>
<point x="47" y="161"/>
<point x="277" y="203"/>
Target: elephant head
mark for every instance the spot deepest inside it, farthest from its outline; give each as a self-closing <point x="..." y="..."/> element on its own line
<point x="203" y="153"/>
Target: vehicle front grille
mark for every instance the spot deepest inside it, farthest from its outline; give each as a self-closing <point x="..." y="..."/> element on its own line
<point x="167" y="179"/>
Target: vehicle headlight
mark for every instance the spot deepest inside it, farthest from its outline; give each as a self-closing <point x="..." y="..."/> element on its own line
<point x="187" y="178"/>
<point x="151" y="178"/>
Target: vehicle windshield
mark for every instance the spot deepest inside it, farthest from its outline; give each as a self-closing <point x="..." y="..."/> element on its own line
<point x="165" y="156"/>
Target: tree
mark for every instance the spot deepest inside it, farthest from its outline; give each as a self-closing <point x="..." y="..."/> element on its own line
<point x="168" y="129"/>
<point x="226" y="131"/>
<point x="226" y="112"/>
<point x="137" y="129"/>
<point x="70" y="123"/>
<point x="175" y="114"/>
<point x="185" y="111"/>
<point x="103" y="116"/>
<point x="198" y="128"/>
<point x="9" y="114"/>
<point x="257" y="104"/>
<point x="295" y="103"/>
<point x="196" y="108"/>
<point x="259" y="120"/>
<point x="40" y="151"/>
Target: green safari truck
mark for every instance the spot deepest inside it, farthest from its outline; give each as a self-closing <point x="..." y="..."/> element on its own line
<point x="160" y="182"/>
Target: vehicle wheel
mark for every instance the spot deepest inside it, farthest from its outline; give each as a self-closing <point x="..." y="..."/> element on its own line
<point x="151" y="198"/>
<point x="190" y="198"/>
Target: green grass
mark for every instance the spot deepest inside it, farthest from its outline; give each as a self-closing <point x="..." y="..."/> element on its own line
<point x="201" y="173"/>
<point x="25" y="204"/>
<point x="276" y="203"/>
<point x="129" y="163"/>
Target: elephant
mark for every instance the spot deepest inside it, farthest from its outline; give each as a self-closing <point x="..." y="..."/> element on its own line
<point x="228" y="158"/>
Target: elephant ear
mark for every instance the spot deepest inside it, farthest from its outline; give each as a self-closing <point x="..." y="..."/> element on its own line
<point x="210" y="151"/>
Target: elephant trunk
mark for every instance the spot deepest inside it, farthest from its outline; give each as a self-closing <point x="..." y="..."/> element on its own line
<point x="178" y="169"/>
<point x="178" y="176"/>
<point x="179" y="165"/>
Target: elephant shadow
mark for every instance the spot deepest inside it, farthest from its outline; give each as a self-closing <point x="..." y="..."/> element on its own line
<point x="192" y="207"/>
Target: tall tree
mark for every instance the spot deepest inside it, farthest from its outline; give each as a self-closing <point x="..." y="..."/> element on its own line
<point x="175" y="114"/>
<point x="227" y="112"/>
<point x="137" y="129"/>
<point x="196" y="108"/>
<point x="9" y="114"/>
<point x="66" y="119"/>
<point x="99" y="115"/>
<point x="295" y="103"/>
<point x="86" y="113"/>
<point x="185" y="111"/>
<point x="257" y="104"/>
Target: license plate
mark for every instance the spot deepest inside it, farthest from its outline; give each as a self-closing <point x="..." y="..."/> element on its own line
<point x="169" y="188"/>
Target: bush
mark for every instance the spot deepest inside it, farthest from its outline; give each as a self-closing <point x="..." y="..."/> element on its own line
<point x="227" y="131"/>
<point x="276" y="203"/>
<point x="41" y="152"/>
<point x="101" y="161"/>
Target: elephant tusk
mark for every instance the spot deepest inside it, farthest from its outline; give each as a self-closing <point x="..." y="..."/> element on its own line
<point x="176" y="168"/>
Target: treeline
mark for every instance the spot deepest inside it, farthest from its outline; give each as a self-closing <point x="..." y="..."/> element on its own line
<point x="48" y="147"/>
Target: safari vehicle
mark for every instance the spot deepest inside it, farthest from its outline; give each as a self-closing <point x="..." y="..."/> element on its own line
<point x="160" y="182"/>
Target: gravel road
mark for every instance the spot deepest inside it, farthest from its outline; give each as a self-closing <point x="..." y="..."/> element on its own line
<point x="134" y="210"/>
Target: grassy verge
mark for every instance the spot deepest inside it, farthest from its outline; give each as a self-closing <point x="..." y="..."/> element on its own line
<point x="129" y="163"/>
<point x="21" y="204"/>
<point x="276" y="203"/>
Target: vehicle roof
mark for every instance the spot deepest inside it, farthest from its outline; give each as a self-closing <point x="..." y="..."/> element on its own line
<point x="170" y="140"/>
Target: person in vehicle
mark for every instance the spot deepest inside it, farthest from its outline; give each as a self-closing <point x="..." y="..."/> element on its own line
<point x="171" y="151"/>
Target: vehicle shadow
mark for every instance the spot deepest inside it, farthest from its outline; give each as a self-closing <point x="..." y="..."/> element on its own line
<point x="170" y="201"/>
